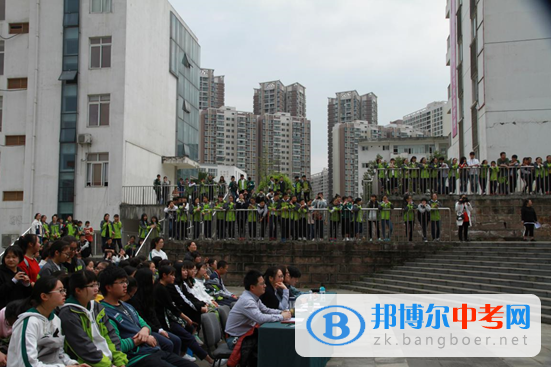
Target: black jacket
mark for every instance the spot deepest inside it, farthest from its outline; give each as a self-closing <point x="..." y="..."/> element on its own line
<point x="528" y="214"/>
<point x="10" y="291"/>
<point x="269" y="297"/>
<point x="148" y="314"/>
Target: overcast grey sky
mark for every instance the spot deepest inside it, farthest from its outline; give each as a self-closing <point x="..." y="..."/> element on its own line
<point x="394" y="48"/>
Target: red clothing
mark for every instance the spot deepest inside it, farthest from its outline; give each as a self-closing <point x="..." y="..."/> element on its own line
<point x="89" y="232"/>
<point x="32" y="269"/>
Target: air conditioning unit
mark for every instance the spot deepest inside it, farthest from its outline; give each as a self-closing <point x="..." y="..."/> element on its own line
<point x="84" y="139"/>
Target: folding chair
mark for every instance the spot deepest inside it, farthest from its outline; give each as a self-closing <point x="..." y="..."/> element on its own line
<point x="212" y="334"/>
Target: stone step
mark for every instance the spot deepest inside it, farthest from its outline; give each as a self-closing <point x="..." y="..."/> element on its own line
<point x="523" y="244"/>
<point x="530" y="263"/>
<point x="497" y="253"/>
<point x="514" y="269"/>
<point x="504" y="249"/>
<point x="404" y="275"/>
<point x="450" y="285"/>
<point x="445" y="270"/>
<point x="545" y="309"/>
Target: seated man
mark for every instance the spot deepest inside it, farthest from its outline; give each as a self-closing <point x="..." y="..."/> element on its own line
<point x="134" y="334"/>
<point x="249" y="310"/>
<point x="222" y="269"/>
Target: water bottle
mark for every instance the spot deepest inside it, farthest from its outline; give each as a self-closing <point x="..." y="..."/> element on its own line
<point x="310" y="300"/>
<point x="322" y="293"/>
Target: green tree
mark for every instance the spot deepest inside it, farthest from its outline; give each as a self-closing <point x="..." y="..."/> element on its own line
<point x="277" y="176"/>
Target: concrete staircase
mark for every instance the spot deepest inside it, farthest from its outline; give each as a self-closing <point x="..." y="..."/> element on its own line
<point x="473" y="267"/>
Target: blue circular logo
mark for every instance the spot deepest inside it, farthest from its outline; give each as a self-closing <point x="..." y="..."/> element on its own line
<point x="343" y="321"/>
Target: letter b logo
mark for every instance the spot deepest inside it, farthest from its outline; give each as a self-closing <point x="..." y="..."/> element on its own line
<point x="330" y="325"/>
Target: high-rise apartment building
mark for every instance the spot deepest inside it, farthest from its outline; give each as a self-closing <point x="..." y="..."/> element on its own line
<point x="273" y="97"/>
<point x="80" y="118"/>
<point x="346" y="137"/>
<point x="212" y="90"/>
<point x="320" y="183"/>
<point x="433" y="119"/>
<point x="231" y="138"/>
<point x="499" y="55"/>
<point x="347" y="107"/>
<point x="285" y="144"/>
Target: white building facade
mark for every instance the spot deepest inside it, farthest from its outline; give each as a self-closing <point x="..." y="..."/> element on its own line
<point x="220" y="170"/>
<point x="320" y="183"/>
<point x="81" y="119"/>
<point x="434" y="119"/>
<point x="499" y="55"/>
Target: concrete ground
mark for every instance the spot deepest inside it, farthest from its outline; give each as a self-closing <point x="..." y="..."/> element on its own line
<point x="542" y="359"/>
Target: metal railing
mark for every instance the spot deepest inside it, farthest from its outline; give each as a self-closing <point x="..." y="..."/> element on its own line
<point x="13" y="243"/>
<point x="521" y="180"/>
<point x="161" y="195"/>
<point x="310" y="225"/>
<point x="146" y="238"/>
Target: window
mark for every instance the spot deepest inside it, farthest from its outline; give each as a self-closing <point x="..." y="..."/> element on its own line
<point x="2" y="9"/>
<point x="100" y="6"/>
<point x="17" y="83"/>
<point x="1" y="57"/>
<point x="15" y="140"/>
<point x="13" y="196"/>
<point x="98" y="167"/>
<point x="19" y="28"/>
<point x="100" y="52"/>
<point x="98" y="110"/>
<point x="1" y="110"/>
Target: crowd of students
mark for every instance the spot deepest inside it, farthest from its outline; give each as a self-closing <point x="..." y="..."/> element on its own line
<point x="499" y="177"/>
<point x="138" y="312"/>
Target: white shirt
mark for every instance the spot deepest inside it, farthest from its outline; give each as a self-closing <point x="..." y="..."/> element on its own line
<point x="473" y="162"/>
<point x="159" y="253"/>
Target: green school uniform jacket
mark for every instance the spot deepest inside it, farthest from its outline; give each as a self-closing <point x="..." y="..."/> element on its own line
<point x="435" y="213"/>
<point x="230" y="212"/>
<point x="219" y="208"/>
<point x="334" y="212"/>
<point x="206" y="210"/>
<point x="117" y="228"/>
<point x="409" y="212"/>
<point x="385" y="210"/>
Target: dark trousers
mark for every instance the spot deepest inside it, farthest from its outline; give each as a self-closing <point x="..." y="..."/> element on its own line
<point x="230" y="226"/>
<point x="424" y="225"/>
<point x="208" y="229"/>
<point x="220" y="230"/>
<point x="172" y="344"/>
<point x="284" y="228"/>
<point x="409" y="229"/>
<point x="163" y="359"/>
<point x="303" y="225"/>
<point x="273" y="219"/>
<point x="483" y="183"/>
<point x="188" y="340"/>
<point x="333" y="229"/>
<point x="181" y="229"/>
<point x="529" y="230"/>
<point x="241" y="225"/>
<point x="376" y="223"/>
<point x="435" y="229"/>
<point x="452" y="183"/>
<point x="463" y="231"/>
<point x="319" y="228"/>
<point x="346" y="227"/>
<point x="252" y="229"/>
<point x="263" y="227"/>
<point x="493" y="187"/>
<point x="196" y="229"/>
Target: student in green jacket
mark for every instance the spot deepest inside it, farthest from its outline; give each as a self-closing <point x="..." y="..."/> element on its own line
<point x="220" y="218"/>
<point x="293" y="217"/>
<point x="106" y="227"/>
<point x="273" y="217"/>
<point x="346" y="212"/>
<point x="334" y="210"/>
<point x="143" y="227"/>
<point x="414" y="173"/>
<point x="302" y="220"/>
<point x="89" y="336"/>
<point x="117" y="231"/>
<point x="425" y="175"/>
<point x="483" y="179"/>
<point x="54" y="229"/>
<point x="494" y="172"/>
<point x="284" y="208"/>
<point x="452" y="180"/>
<point x="306" y="189"/>
<point x="409" y="216"/>
<point x="251" y="218"/>
<point x="540" y="176"/>
<point x="386" y="210"/>
<point x="297" y="187"/>
<point x="71" y="226"/>
<point x="435" y="218"/>
<point x="230" y="217"/>
<point x="156" y="228"/>
<point x="206" y="211"/>
<point x="195" y="214"/>
<point x="182" y="219"/>
<point x="357" y="218"/>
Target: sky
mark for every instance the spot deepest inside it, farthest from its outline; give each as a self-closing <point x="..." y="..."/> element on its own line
<point x="393" y="48"/>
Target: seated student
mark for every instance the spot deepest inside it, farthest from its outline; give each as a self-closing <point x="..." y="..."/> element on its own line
<point x="30" y="245"/>
<point x="144" y="303"/>
<point x="222" y="269"/>
<point x="38" y="330"/>
<point x="205" y="286"/>
<point x="292" y="276"/>
<point x="14" y="283"/>
<point x="171" y="316"/>
<point x="157" y="249"/>
<point x="191" y="247"/>
<point x="8" y="316"/>
<point x="198" y="292"/>
<point x="58" y="253"/>
<point x="277" y="294"/>
<point x="89" y="336"/>
<point x="134" y="334"/>
<point x="186" y="301"/>
<point x="73" y="263"/>
<point x="249" y="310"/>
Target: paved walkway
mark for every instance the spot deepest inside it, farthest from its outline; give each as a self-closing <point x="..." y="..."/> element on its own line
<point x="543" y="359"/>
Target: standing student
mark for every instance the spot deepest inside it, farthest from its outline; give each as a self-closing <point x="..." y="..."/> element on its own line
<point x="284" y="208"/>
<point x="262" y="213"/>
<point x="434" y="174"/>
<point x="251" y="217"/>
<point x="540" y="176"/>
<point x="334" y="210"/>
<point x="547" y="166"/>
<point x="182" y="216"/>
<point x="143" y="227"/>
<point x="297" y="187"/>
<point x="230" y="218"/>
<point x="107" y="230"/>
<point x="170" y="218"/>
<point x="302" y="220"/>
<point x="435" y="218"/>
<point x="463" y="175"/>
<point x="195" y="214"/>
<point x="386" y="209"/>
<point x="306" y="189"/>
<point x="71" y="226"/>
<point x="37" y="337"/>
<point x="293" y="217"/>
<point x="529" y="219"/>
<point x="463" y="210"/>
<point x="503" y="164"/>
<point x="494" y="170"/>
<point x="220" y="218"/>
<point x="117" y="231"/>
<point x="414" y="168"/>
<point x="320" y="205"/>
<point x="373" y="217"/>
<point x="206" y="212"/>
<point x="452" y="182"/>
<point x="443" y="173"/>
<point x="241" y="206"/>
<point x="89" y="336"/>
<point x="483" y="180"/>
<point x="513" y="173"/>
<point x="425" y="175"/>
<point x="409" y="216"/>
<point x="36" y="227"/>
<point x="358" y="218"/>
<point x="474" y="166"/>
<point x="423" y="214"/>
<point x="273" y="217"/>
<point x="242" y="184"/>
<point x="346" y="218"/>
